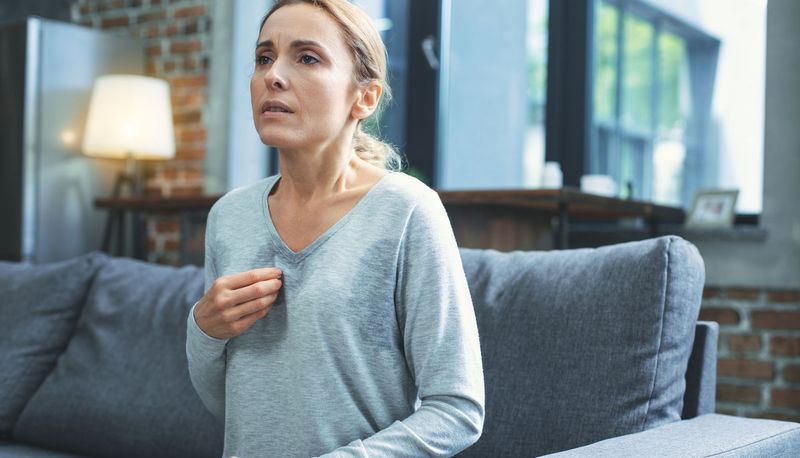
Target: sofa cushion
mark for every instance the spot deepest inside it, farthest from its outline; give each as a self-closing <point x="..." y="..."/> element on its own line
<point x="40" y="305"/>
<point x="17" y="450"/>
<point x="582" y="345"/>
<point x="122" y="386"/>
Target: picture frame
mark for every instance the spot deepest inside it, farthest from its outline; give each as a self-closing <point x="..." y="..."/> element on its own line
<point x="712" y="209"/>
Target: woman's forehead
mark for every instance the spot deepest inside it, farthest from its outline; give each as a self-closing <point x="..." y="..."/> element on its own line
<point x="301" y="22"/>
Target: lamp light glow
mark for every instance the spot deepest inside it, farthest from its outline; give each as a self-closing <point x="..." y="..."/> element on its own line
<point x="130" y="114"/>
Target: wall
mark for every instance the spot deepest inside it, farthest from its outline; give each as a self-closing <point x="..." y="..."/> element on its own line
<point x="753" y="287"/>
<point x="178" y="39"/>
<point x="758" y="372"/>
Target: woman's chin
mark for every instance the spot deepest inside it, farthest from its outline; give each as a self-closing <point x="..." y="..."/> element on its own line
<point x="278" y="142"/>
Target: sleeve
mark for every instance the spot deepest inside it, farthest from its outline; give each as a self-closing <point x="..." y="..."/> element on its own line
<point x="441" y="345"/>
<point x="205" y="354"/>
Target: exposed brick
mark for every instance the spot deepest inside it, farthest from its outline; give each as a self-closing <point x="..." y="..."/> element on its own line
<point x="194" y="99"/>
<point x="172" y="245"/>
<point x="188" y="117"/>
<point x="744" y="342"/>
<point x="189" y="81"/>
<point x="167" y="226"/>
<point x="180" y="47"/>
<point x="779" y="416"/>
<point x="792" y="373"/>
<point x="190" y="64"/>
<point x="193" y="135"/>
<point x="172" y="30"/>
<point x="745" y="294"/>
<point x="784" y="346"/>
<point x="786" y="397"/>
<point x="170" y="173"/>
<point x="152" y="68"/>
<point x="190" y="11"/>
<point x="776" y="320"/>
<point x="187" y="190"/>
<point x="746" y="368"/>
<point x="720" y="315"/>
<point x="110" y="5"/>
<point x="710" y="293"/>
<point x="85" y="9"/>
<point x="190" y="153"/>
<point x="151" y="245"/>
<point x="192" y="174"/>
<point x="168" y="67"/>
<point x="153" y="190"/>
<point x="153" y="31"/>
<point x="154" y="16"/>
<point x="117" y="21"/>
<point x="734" y="393"/>
<point x="783" y="296"/>
<point x="725" y="411"/>
<point x="153" y="50"/>
<point x="191" y="27"/>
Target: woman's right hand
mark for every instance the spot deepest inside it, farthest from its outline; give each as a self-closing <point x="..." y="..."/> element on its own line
<point x="236" y="301"/>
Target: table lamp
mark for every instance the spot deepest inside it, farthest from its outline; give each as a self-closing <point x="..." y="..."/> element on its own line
<point x="130" y="117"/>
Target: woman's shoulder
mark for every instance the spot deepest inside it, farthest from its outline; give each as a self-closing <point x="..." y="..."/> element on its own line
<point x="241" y="200"/>
<point x="408" y="188"/>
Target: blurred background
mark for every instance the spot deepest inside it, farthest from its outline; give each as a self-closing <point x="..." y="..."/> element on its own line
<point x="665" y="99"/>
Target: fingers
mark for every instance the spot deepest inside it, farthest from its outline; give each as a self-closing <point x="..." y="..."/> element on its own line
<point x="254" y="291"/>
<point x="253" y="309"/>
<point x="242" y="279"/>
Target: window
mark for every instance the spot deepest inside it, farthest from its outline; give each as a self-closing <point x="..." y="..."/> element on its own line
<point x="492" y="94"/>
<point x="536" y="91"/>
<point x="661" y="72"/>
<point x="643" y="102"/>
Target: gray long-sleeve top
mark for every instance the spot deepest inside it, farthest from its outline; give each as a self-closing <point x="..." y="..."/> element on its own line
<point x="371" y="348"/>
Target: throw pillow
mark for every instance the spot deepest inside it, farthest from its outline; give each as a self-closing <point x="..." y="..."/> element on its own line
<point x="122" y="387"/>
<point x="40" y="305"/>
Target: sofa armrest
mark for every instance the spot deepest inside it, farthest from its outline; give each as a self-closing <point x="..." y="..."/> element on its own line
<point x="701" y="372"/>
<point x="706" y="435"/>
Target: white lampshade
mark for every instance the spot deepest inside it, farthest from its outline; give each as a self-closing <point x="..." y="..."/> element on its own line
<point x="130" y="114"/>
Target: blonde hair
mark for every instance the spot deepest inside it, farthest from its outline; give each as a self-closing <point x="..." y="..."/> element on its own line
<point x="369" y="59"/>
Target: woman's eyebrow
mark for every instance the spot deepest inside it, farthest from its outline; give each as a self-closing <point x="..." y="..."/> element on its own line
<point x="294" y="45"/>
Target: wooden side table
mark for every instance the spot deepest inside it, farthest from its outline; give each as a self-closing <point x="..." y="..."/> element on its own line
<point x="189" y="209"/>
<point x="539" y="219"/>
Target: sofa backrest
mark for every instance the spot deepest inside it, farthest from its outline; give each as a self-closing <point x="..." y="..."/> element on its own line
<point x="582" y="345"/>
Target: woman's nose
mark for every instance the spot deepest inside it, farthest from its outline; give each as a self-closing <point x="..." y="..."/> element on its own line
<point x="274" y="77"/>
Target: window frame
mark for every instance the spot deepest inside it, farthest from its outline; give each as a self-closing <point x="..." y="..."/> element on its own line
<point x="572" y="132"/>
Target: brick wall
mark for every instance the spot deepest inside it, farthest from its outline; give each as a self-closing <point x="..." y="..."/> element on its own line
<point x="177" y="36"/>
<point x="758" y="372"/>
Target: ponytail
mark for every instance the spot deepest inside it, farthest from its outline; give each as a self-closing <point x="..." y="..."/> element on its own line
<point x="375" y="151"/>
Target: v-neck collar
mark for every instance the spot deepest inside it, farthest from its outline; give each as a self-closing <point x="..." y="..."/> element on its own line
<point x="278" y="242"/>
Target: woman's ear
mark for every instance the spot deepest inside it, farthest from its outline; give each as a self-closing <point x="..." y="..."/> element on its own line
<point x="367" y="101"/>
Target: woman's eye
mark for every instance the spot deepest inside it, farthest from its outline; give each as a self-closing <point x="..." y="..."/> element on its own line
<point x="308" y="59"/>
<point x="263" y="60"/>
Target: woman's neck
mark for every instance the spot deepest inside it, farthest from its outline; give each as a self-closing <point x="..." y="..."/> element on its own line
<point x="315" y="176"/>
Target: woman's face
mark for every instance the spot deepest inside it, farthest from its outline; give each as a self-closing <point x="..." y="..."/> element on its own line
<point x="303" y="77"/>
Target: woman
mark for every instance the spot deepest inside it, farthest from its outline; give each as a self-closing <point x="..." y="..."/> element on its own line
<point x="337" y="317"/>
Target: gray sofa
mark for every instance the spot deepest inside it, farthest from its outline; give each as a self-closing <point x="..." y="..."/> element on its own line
<point x="587" y="352"/>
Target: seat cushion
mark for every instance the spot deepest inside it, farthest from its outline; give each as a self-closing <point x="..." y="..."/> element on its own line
<point x="18" y="450"/>
<point x="582" y="345"/>
<point x="122" y="386"/>
<point x="39" y="305"/>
